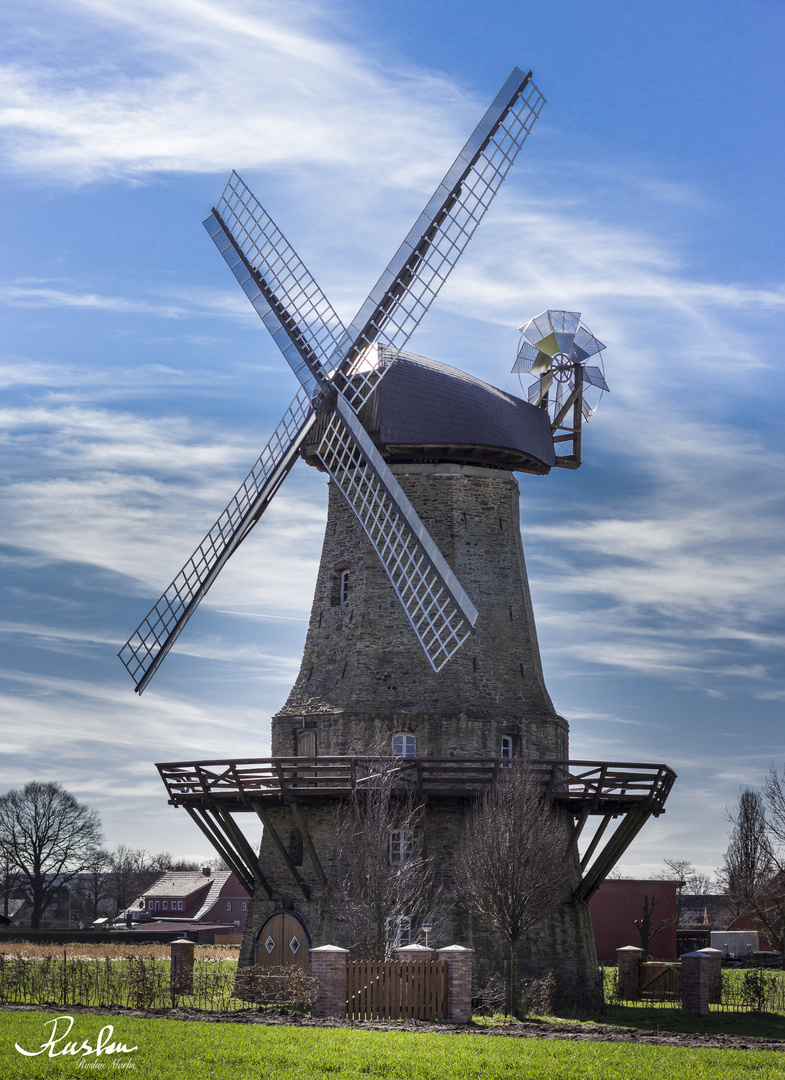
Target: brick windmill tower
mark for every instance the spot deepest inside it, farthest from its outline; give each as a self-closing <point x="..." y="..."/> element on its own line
<point x="421" y="644"/>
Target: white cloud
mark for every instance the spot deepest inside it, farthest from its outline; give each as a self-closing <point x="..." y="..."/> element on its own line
<point x="143" y="87"/>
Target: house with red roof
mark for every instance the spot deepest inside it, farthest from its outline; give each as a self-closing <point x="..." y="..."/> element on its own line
<point x="199" y="899"/>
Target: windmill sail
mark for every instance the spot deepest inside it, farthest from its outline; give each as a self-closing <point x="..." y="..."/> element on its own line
<point x="435" y="602"/>
<point x="423" y="262"/>
<point x="158" y="631"/>
<point x="339" y="369"/>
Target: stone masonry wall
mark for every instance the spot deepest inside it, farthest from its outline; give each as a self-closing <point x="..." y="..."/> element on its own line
<point x="364" y="675"/>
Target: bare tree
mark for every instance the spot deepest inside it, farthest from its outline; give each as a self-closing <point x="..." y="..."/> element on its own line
<point x="749" y="861"/>
<point x="91" y="887"/>
<point x="646" y="928"/>
<point x="512" y="861"/>
<point x="130" y="871"/>
<point x="691" y="881"/>
<point x="387" y="885"/>
<point x="48" y="838"/>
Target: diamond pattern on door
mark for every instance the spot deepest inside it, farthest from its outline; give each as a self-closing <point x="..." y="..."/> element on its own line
<point x="282" y="942"/>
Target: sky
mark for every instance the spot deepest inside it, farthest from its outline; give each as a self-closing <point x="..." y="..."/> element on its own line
<point x="138" y="385"/>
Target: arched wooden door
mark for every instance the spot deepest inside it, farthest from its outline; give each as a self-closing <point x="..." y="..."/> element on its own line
<point x="282" y="942"/>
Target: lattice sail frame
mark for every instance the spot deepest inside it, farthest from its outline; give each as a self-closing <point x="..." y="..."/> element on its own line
<point x="346" y="364"/>
<point x="554" y="349"/>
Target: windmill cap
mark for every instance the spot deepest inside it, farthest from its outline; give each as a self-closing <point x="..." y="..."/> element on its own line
<point x="425" y="410"/>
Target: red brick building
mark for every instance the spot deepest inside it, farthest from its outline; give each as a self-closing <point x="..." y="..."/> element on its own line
<point x="195" y="896"/>
<point x="617" y="904"/>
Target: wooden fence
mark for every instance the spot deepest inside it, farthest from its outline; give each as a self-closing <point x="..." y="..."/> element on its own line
<point x="659" y="981"/>
<point x="396" y="990"/>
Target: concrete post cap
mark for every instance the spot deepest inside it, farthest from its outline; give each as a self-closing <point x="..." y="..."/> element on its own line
<point x="701" y="954"/>
<point x="329" y="949"/>
<point x="182" y="941"/>
<point x="710" y="952"/>
<point x="454" y="949"/>
<point x="630" y="948"/>
<point x="414" y="948"/>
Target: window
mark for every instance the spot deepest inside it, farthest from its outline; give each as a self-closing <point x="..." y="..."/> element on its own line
<point x="506" y="747"/>
<point x="179" y="905"/>
<point x="399" y="930"/>
<point x="163" y="905"/>
<point x="343" y="588"/>
<point x="228" y="905"/>
<point x="156" y="904"/>
<point x="245" y="905"/>
<point x="404" y="745"/>
<point x="401" y="846"/>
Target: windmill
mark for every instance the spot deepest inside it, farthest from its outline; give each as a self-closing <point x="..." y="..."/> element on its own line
<point x="338" y="370"/>
<point x="422" y="564"/>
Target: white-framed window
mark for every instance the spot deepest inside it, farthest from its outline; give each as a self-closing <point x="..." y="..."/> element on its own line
<point x="164" y="905"/>
<point x="399" y="930"/>
<point x="404" y="744"/>
<point x="401" y="846"/>
<point x="343" y="588"/>
<point x="245" y="905"/>
<point x="157" y="902"/>
<point x="228" y="905"/>
<point x="506" y="747"/>
<point x="179" y="905"/>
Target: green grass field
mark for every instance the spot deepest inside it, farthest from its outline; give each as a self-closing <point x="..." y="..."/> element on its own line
<point x="171" y="1050"/>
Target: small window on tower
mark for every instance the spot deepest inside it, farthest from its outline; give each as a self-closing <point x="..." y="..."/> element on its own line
<point x="506" y="747"/>
<point x="401" y="846"/>
<point x="344" y="587"/>
<point x="399" y="930"/>
<point x="404" y="745"/>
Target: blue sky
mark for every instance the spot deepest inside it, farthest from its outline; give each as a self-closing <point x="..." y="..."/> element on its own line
<point x="138" y="385"/>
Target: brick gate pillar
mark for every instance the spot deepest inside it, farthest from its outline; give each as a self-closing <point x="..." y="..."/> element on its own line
<point x="459" y="982"/>
<point x="715" y="977"/>
<point x="414" y="952"/>
<point x="328" y="969"/>
<point x="182" y="966"/>
<point x="697" y="970"/>
<point x="627" y="960"/>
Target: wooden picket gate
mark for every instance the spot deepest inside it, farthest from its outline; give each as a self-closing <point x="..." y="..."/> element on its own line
<point x="396" y="990"/>
<point x="659" y="981"/>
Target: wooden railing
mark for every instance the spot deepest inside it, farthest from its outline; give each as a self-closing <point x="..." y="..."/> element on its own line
<point x="584" y="786"/>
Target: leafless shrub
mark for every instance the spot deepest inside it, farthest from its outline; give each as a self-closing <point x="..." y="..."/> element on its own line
<point x="491" y="996"/>
<point x="537" y="996"/>
<point x="277" y="986"/>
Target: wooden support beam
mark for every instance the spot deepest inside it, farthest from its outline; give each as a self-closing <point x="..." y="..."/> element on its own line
<point x="270" y="830"/>
<point x="612" y="852"/>
<point x="595" y="840"/>
<point x="223" y="817"/>
<point x="299" y="819"/>
<point x="577" y="830"/>
<point x="235" y="864"/>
